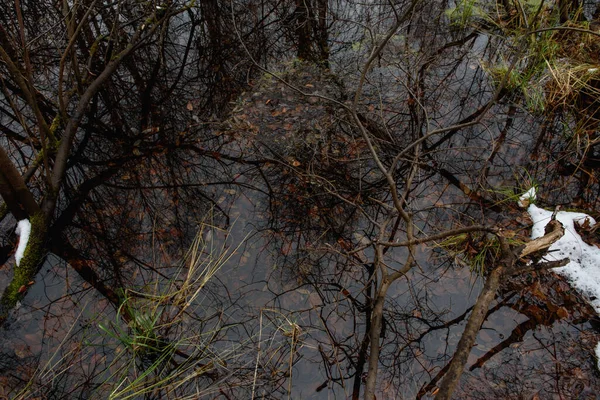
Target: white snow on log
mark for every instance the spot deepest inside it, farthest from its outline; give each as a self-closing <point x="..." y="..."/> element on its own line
<point x="583" y="269"/>
<point x="23" y="230"/>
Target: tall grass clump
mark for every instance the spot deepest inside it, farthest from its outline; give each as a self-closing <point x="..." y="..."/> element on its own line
<point x="167" y="343"/>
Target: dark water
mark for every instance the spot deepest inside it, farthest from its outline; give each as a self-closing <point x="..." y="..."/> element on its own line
<point x="283" y="185"/>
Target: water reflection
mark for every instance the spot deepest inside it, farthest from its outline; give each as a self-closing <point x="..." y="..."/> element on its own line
<point x="288" y="177"/>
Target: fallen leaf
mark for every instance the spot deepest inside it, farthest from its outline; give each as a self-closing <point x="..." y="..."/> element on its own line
<point x="562" y="312"/>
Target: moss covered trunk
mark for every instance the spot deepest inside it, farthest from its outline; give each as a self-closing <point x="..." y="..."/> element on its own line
<point x="29" y="266"/>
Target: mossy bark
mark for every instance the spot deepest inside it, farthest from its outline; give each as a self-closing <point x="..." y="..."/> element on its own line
<point x="27" y="269"/>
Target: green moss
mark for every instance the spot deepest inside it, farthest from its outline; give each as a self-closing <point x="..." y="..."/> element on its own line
<point x="52" y="131"/>
<point x="94" y="46"/>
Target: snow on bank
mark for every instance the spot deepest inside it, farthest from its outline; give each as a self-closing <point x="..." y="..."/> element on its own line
<point x="23" y="230"/>
<point x="583" y="269"/>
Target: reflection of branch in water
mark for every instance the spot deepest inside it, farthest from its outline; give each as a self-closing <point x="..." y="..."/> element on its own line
<point x="500" y="140"/>
<point x="516" y="336"/>
<point x="366" y="341"/>
<point x="431" y="385"/>
<point x="518" y="333"/>
<point x="450" y="323"/>
<point x="356" y="356"/>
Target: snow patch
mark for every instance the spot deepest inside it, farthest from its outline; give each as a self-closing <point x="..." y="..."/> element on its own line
<point x="583" y="269"/>
<point x="23" y="230"/>
<point x="527" y="198"/>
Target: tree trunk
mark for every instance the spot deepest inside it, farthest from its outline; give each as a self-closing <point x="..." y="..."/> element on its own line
<point x="14" y="191"/>
<point x="375" y="334"/>
<point x="303" y="30"/>
<point x="487" y="295"/>
<point x="28" y="268"/>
